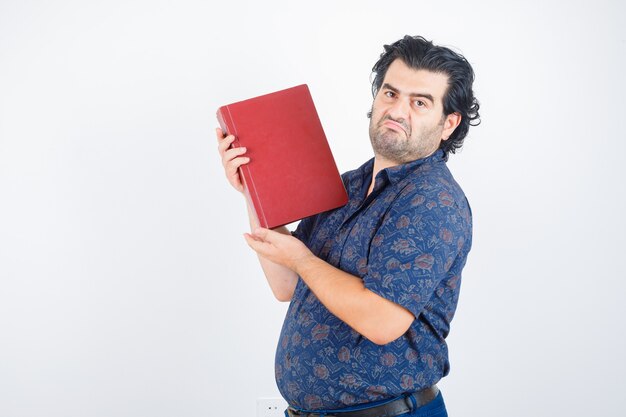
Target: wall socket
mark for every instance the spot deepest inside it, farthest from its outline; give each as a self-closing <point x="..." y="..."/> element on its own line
<point x="270" y="407"/>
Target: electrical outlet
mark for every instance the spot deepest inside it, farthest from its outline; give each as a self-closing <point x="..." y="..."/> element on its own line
<point x="270" y="407"/>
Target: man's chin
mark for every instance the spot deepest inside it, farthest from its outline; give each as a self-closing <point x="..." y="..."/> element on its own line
<point x="388" y="140"/>
<point x="391" y="155"/>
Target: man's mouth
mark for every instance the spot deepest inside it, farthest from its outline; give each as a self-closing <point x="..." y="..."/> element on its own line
<point x="390" y="124"/>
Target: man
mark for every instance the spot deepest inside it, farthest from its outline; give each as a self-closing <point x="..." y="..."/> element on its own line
<point x="374" y="285"/>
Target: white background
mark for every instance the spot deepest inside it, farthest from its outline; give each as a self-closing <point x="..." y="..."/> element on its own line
<point x="126" y="288"/>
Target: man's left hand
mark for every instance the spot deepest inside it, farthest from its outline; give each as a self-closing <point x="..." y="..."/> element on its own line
<point x="279" y="248"/>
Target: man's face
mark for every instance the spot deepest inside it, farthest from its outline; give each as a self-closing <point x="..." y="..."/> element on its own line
<point x="407" y="120"/>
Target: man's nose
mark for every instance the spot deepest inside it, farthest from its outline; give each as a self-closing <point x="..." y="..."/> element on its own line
<point x="400" y="109"/>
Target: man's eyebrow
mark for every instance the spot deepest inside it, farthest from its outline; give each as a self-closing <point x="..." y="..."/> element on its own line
<point x="427" y="96"/>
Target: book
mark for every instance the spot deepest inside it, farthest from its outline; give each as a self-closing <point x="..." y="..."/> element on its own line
<point x="292" y="173"/>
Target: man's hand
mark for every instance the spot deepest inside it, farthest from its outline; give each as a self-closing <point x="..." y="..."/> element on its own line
<point x="232" y="158"/>
<point x="280" y="248"/>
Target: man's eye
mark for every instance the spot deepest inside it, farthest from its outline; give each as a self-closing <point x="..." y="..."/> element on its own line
<point x="390" y="93"/>
<point x="420" y="103"/>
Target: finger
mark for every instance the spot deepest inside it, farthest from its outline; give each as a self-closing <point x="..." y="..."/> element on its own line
<point x="232" y="153"/>
<point x="255" y="243"/>
<point x="264" y="234"/>
<point x="233" y="165"/>
<point x="250" y="240"/>
<point x="224" y="144"/>
<point x="272" y="237"/>
<point x="220" y="135"/>
<point x="248" y="237"/>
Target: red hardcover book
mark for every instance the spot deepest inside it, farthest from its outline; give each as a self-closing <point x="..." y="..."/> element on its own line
<point x="292" y="173"/>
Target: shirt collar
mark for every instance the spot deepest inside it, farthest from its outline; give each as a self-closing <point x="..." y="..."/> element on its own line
<point x="360" y="179"/>
<point x="399" y="172"/>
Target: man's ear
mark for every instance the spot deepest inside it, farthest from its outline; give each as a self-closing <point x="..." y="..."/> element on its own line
<point x="451" y="123"/>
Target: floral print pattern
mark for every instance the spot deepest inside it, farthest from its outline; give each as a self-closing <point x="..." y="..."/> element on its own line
<point x="408" y="240"/>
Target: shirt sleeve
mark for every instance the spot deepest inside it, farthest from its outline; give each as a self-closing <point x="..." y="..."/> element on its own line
<point x="414" y="250"/>
<point x="303" y="230"/>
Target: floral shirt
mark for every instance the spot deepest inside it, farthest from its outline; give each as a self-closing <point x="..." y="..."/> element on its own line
<point x="408" y="240"/>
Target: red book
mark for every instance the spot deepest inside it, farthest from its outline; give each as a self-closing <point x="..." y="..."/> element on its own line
<point x="292" y="173"/>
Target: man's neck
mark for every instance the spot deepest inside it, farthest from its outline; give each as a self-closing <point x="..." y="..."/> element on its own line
<point x="379" y="164"/>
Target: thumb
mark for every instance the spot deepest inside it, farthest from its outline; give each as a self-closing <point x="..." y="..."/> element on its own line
<point x="268" y="235"/>
<point x="262" y="233"/>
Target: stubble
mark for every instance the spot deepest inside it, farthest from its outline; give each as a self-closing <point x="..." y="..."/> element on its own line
<point x="401" y="148"/>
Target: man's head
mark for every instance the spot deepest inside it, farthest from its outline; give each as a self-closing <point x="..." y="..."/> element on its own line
<point x="423" y="100"/>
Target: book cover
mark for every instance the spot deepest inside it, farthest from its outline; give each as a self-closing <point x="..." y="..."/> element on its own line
<point x="292" y="173"/>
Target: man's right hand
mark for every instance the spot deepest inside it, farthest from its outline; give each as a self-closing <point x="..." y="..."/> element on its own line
<point x="232" y="158"/>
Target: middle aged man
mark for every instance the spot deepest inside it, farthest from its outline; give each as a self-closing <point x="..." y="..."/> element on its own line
<point x="374" y="285"/>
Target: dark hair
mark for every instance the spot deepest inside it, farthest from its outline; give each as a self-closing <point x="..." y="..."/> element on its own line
<point x="418" y="53"/>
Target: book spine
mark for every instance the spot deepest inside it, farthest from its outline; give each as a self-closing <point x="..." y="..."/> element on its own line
<point x="228" y="126"/>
